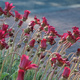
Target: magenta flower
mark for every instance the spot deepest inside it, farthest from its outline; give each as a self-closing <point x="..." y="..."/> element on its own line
<point x="26" y="13"/>
<point x="1" y="11"/>
<point x="17" y="16"/>
<point x="32" y="24"/>
<point x="32" y="42"/>
<point x="25" y="63"/>
<point x="43" y="44"/>
<point x="20" y="23"/>
<point x="20" y="75"/>
<point x="2" y="34"/>
<point x="51" y="39"/>
<point x="53" y="61"/>
<point x="66" y="72"/>
<point x="5" y="27"/>
<point x="76" y="31"/>
<point x="37" y="21"/>
<point x="3" y="44"/>
<point x="44" y="22"/>
<point x="8" y="6"/>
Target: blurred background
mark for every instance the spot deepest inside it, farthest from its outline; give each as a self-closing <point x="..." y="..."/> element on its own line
<point x="39" y="6"/>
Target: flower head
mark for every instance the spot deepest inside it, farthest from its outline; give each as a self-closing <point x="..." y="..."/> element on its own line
<point x="37" y="21"/>
<point x="17" y="16"/>
<point x="25" y="16"/>
<point x="5" y="27"/>
<point x="1" y="11"/>
<point x="8" y="6"/>
<point x="43" y="43"/>
<point x="20" y="75"/>
<point x="20" y="23"/>
<point x="53" y="61"/>
<point x="25" y="63"/>
<point x="66" y="72"/>
<point x="32" y="42"/>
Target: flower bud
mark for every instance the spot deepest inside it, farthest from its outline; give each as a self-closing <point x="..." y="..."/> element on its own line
<point x="20" y="23"/>
<point x="18" y="45"/>
<point x="25" y="40"/>
<point x="32" y="42"/>
<point x="27" y="30"/>
<point x="66" y="72"/>
<point x="28" y="48"/>
<point x="11" y="40"/>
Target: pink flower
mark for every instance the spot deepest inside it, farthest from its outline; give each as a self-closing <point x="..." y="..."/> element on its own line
<point x="2" y="34"/>
<point x="76" y="31"/>
<point x="3" y="44"/>
<point x="43" y="43"/>
<point x="58" y="55"/>
<point x="25" y="16"/>
<point x="32" y="24"/>
<point x="71" y="38"/>
<point x="37" y="21"/>
<point x="52" y="30"/>
<point x="32" y="42"/>
<point x="61" y="60"/>
<point x="5" y="27"/>
<point x="53" y="61"/>
<point x="25" y="63"/>
<point x="1" y="11"/>
<point x="66" y="72"/>
<point x="20" y="75"/>
<point x="17" y="16"/>
<point x="51" y="39"/>
<point x="44" y="22"/>
<point x="8" y="6"/>
<point x="20" y="23"/>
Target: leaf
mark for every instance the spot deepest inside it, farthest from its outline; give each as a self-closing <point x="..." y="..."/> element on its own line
<point x="14" y="75"/>
<point x="4" y="74"/>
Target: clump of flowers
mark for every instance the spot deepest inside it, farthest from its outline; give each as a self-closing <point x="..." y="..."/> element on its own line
<point x="32" y="56"/>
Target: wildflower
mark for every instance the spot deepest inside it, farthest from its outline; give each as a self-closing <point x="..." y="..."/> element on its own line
<point x="25" y="16"/>
<point x="8" y="6"/>
<point x="37" y="21"/>
<point x="53" y="61"/>
<point x="32" y="42"/>
<point x="44" y="22"/>
<point x="51" y="30"/>
<point x="1" y="11"/>
<point x="17" y="16"/>
<point x="43" y="44"/>
<point x="20" y="75"/>
<point x="32" y="24"/>
<point x="58" y="55"/>
<point x="76" y="32"/>
<point x="2" y="34"/>
<point x="20" y="23"/>
<point x="25" y="63"/>
<point x="51" y="40"/>
<point x="3" y="44"/>
<point x="63" y="37"/>
<point x="71" y="38"/>
<point x="61" y="60"/>
<point x="66" y="72"/>
<point x="5" y="27"/>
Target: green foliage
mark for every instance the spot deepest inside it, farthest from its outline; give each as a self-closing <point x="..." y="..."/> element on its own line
<point x="3" y="75"/>
<point x="14" y="75"/>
